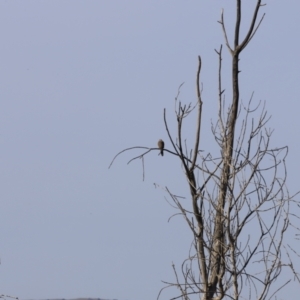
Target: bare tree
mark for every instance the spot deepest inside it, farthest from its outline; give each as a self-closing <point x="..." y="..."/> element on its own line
<point x="240" y="204"/>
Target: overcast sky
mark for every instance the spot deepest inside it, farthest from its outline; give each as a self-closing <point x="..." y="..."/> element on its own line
<point x="82" y="80"/>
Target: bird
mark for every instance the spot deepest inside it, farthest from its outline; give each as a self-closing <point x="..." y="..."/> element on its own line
<point x="161" y="146"/>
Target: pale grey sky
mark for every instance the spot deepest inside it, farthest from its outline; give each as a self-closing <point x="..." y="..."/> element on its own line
<point x="80" y="81"/>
